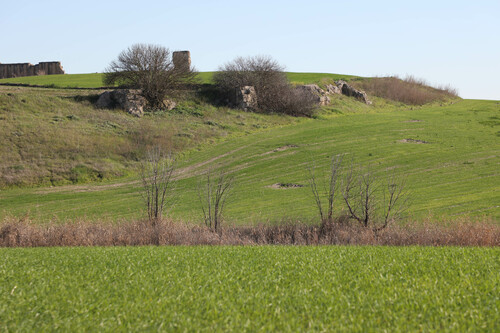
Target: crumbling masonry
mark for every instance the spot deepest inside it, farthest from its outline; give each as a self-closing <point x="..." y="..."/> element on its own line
<point x="27" y="69"/>
<point x="182" y="60"/>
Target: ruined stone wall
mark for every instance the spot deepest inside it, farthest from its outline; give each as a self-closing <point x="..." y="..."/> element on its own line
<point x="27" y="69"/>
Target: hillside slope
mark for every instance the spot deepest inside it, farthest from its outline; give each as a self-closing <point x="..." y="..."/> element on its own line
<point x="450" y="153"/>
<point x="55" y="137"/>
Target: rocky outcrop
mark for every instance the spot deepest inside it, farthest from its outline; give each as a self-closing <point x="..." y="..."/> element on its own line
<point x="333" y="89"/>
<point x="318" y="95"/>
<point x="169" y="104"/>
<point x="348" y="90"/>
<point x="27" y="69"/>
<point x="129" y="100"/>
<point x="321" y="98"/>
<point x="245" y="98"/>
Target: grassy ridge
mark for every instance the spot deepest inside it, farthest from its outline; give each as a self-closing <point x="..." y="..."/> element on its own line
<point x="449" y="151"/>
<point x="94" y="80"/>
<point x="454" y="173"/>
<point x="250" y="288"/>
<point x="55" y="137"/>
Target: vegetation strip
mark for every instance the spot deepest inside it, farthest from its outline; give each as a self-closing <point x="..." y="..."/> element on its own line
<point x="248" y="289"/>
<point x="15" y="233"/>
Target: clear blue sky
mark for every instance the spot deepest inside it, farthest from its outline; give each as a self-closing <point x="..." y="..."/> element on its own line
<point x="445" y="42"/>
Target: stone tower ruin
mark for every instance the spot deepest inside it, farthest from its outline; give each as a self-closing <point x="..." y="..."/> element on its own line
<point x="27" y="69"/>
<point x="182" y="60"/>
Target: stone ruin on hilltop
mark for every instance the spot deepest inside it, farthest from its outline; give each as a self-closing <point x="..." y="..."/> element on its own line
<point x="182" y="59"/>
<point x="27" y="69"/>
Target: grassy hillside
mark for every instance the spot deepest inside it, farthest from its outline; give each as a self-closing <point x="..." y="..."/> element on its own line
<point x="94" y="80"/>
<point x="453" y="172"/>
<point x="456" y="170"/>
<point x="449" y="150"/>
<point x="55" y="137"/>
<point x="355" y="289"/>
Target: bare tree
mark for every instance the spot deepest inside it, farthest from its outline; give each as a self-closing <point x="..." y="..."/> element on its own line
<point x="261" y="72"/>
<point x="151" y="69"/>
<point x="362" y="197"/>
<point x="213" y="195"/>
<point x="157" y="182"/>
<point x="396" y="199"/>
<point x="267" y="76"/>
<point x="329" y="188"/>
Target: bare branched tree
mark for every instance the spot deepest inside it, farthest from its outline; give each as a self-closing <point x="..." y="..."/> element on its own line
<point x="329" y="188"/>
<point x="213" y="195"/>
<point x="267" y="76"/>
<point x="360" y="204"/>
<point x="151" y="69"/>
<point x="396" y="199"/>
<point x="157" y="182"/>
<point x="261" y="72"/>
<point x="361" y="194"/>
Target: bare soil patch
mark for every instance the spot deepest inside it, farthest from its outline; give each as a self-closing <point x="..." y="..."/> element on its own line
<point x="414" y="141"/>
<point x="285" y="185"/>
<point x="282" y="148"/>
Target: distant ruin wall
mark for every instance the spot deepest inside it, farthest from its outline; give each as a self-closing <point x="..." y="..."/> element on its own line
<point x="182" y="59"/>
<point x="27" y="69"/>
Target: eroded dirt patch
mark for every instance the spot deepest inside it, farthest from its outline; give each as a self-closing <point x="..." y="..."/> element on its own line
<point x="413" y="121"/>
<point x="414" y="141"/>
<point x="282" y="148"/>
<point x="285" y="185"/>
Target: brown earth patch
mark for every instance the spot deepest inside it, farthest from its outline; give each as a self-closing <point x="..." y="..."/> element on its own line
<point x="285" y="186"/>
<point x="414" y="141"/>
<point x="282" y="148"/>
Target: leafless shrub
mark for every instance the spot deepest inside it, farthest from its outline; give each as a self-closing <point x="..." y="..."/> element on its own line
<point x="213" y="195"/>
<point x="261" y="72"/>
<point x="363" y="198"/>
<point x="275" y="94"/>
<point x="410" y="90"/>
<point x="291" y="101"/>
<point x="366" y="199"/>
<point x="156" y="177"/>
<point x="149" y="68"/>
<point x="431" y="232"/>
<point x="326" y="189"/>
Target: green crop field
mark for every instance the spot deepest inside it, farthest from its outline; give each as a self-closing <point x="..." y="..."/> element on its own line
<point x="355" y="289"/>
<point x="94" y="80"/>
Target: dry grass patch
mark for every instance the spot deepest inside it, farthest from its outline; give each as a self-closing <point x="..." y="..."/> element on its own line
<point x="462" y="232"/>
<point x="409" y="90"/>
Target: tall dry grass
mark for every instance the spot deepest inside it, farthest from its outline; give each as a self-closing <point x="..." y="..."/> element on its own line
<point x="409" y="90"/>
<point x="464" y="232"/>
